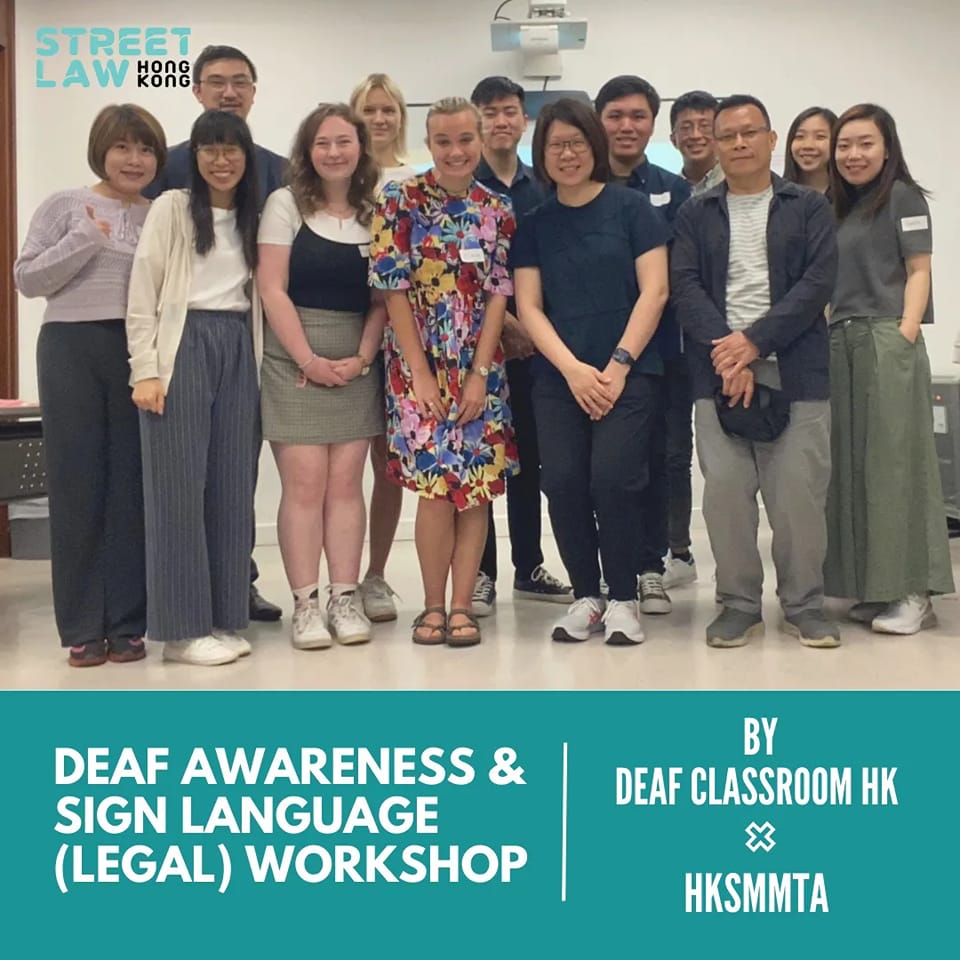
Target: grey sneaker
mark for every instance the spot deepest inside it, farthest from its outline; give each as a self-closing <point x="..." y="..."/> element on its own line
<point x="813" y="629"/>
<point x="377" y="598"/>
<point x="734" y="628"/>
<point x="653" y="598"/>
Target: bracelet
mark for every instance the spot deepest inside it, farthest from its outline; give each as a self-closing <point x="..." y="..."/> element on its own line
<point x="303" y="366"/>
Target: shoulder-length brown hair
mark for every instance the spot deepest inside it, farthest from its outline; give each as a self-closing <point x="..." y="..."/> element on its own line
<point x="894" y="168"/>
<point x="124" y="121"/>
<point x="579" y="115"/>
<point x="307" y="185"/>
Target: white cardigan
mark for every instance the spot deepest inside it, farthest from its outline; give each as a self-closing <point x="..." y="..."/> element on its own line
<point x="160" y="286"/>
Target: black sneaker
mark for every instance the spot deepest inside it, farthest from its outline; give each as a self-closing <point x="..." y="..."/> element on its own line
<point x="261" y="609"/>
<point x="484" y="596"/>
<point x="542" y="585"/>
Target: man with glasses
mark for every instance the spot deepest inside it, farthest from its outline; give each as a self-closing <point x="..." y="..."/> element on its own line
<point x="628" y="108"/>
<point x="691" y="132"/>
<point x="503" y="122"/>
<point x="753" y="266"/>
<point x="224" y="78"/>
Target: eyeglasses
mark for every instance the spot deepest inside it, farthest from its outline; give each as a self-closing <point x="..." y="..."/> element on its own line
<point x="729" y="139"/>
<point x="229" y="151"/>
<point x="688" y="127"/>
<point x="577" y="145"/>
<point x="240" y="83"/>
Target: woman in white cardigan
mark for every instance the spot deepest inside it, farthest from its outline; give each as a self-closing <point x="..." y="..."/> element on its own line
<point x="194" y="333"/>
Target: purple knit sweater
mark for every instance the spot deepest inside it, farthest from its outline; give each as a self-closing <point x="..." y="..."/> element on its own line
<point x="66" y="258"/>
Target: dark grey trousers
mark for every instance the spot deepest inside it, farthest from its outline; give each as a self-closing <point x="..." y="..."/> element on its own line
<point x="198" y="482"/>
<point x="92" y="447"/>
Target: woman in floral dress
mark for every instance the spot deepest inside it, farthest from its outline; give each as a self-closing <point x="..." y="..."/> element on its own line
<point x="439" y="249"/>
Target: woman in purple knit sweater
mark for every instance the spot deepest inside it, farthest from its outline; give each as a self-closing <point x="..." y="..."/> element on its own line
<point x="78" y="253"/>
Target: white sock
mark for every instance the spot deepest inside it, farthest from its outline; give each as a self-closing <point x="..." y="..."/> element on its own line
<point x="338" y="589"/>
<point x="303" y="594"/>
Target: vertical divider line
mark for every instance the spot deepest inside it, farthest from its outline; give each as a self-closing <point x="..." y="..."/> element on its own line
<point x="563" y="831"/>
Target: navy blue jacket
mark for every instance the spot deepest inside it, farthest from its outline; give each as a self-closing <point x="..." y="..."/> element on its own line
<point x="656" y="184"/>
<point x="176" y="172"/>
<point x="802" y="258"/>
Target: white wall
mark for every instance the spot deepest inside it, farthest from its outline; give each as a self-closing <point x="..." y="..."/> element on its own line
<point x="789" y="54"/>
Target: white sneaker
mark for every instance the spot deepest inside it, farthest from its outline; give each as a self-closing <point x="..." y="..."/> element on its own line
<point x="583" y="617"/>
<point x="308" y="631"/>
<point x="910" y="615"/>
<point x="377" y="596"/>
<point x="233" y="641"/>
<point x="208" y="651"/>
<point x="484" y="596"/>
<point x="653" y="598"/>
<point x="678" y="573"/>
<point x="347" y="621"/>
<point x="621" y="624"/>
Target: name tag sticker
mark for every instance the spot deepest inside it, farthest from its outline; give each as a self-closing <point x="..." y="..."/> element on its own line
<point x="660" y="199"/>
<point x="364" y="249"/>
<point x="940" y="419"/>
<point x="471" y="254"/>
<point x="914" y="223"/>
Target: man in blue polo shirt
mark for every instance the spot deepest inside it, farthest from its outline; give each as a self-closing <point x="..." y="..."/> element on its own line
<point x="501" y="105"/>
<point x="224" y="78"/>
<point x="628" y="107"/>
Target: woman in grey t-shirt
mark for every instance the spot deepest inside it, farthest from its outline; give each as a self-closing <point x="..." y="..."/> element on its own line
<point x="888" y="537"/>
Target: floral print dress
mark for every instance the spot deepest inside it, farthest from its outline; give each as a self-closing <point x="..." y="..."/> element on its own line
<point x="448" y="252"/>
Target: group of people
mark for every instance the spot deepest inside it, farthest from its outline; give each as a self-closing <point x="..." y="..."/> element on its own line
<point x="480" y="329"/>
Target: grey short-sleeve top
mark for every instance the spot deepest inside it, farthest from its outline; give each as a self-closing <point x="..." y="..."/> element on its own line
<point x="873" y="249"/>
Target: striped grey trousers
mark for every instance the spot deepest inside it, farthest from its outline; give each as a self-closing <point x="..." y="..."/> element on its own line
<point x="198" y="482"/>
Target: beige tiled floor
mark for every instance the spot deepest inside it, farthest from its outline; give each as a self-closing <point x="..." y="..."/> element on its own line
<point x="516" y="652"/>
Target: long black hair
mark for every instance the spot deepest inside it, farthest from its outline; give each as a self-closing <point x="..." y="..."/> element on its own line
<point x="790" y="169"/>
<point x="845" y="195"/>
<point x="219" y="127"/>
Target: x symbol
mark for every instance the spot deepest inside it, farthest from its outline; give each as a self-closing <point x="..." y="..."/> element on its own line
<point x="760" y="837"/>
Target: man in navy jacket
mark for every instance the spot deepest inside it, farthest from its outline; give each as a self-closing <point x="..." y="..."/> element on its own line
<point x="224" y="78"/>
<point x="753" y="266"/>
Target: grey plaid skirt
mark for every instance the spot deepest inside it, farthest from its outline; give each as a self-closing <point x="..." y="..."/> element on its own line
<point x="313" y="414"/>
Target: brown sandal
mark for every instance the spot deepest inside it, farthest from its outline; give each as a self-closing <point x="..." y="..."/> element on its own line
<point x="438" y="631"/>
<point x="461" y="638"/>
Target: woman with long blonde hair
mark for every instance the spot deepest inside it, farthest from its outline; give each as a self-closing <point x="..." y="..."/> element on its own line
<point x="378" y="101"/>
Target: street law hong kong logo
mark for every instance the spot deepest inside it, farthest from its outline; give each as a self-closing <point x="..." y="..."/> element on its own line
<point x="113" y="57"/>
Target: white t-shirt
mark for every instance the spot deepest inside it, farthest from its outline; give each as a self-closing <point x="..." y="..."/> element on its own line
<point x="218" y="279"/>
<point x="281" y="221"/>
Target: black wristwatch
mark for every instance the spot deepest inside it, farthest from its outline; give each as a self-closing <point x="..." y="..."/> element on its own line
<point x="622" y="356"/>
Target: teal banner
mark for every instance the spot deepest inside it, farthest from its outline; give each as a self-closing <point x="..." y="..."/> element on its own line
<point x="477" y="824"/>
